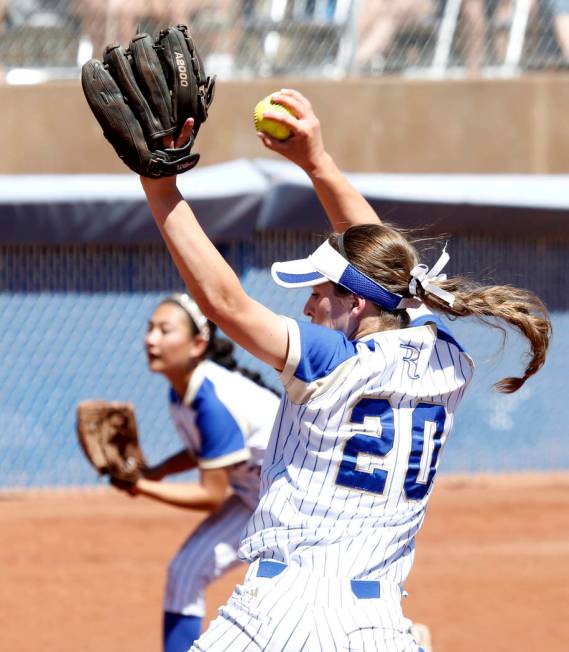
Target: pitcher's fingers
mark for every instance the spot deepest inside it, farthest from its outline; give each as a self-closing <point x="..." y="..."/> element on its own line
<point x="279" y="146"/>
<point x="282" y="118"/>
<point x="266" y="140"/>
<point x="185" y="134"/>
<point x="297" y="96"/>
<point x="292" y="103"/>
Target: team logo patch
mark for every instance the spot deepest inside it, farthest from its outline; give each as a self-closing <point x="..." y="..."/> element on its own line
<point x="411" y="357"/>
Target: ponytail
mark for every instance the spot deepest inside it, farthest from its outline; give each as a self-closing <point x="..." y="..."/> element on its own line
<point x="521" y="309"/>
<point x="221" y="351"/>
<point x="385" y="255"/>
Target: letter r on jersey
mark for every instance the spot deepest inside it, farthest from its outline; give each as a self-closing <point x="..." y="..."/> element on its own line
<point x="411" y="357"/>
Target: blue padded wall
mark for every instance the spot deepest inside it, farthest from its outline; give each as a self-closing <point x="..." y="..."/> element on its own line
<point x="73" y="320"/>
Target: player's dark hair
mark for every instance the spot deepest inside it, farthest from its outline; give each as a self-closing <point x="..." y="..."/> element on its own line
<point x="383" y="253"/>
<point x="221" y="351"/>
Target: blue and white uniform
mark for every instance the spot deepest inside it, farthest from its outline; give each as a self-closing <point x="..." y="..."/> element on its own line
<point x="224" y="420"/>
<point x="345" y="483"/>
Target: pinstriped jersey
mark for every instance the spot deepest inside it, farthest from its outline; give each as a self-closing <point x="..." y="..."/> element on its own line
<point x="355" y="448"/>
<point x="225" y="419"/>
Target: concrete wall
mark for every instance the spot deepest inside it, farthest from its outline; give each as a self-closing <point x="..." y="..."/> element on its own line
<point x="391" y="125"/>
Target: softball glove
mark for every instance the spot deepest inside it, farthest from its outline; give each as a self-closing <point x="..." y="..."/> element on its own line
<point x="108" y="435"/>
<point x="145" y="93"/>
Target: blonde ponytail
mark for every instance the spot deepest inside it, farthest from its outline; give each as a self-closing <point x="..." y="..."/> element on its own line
<point x="384" y="254"/>
<point x="521" y="309"/>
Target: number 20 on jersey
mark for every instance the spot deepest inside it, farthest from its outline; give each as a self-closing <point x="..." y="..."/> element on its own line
<point x="428" y="421"/>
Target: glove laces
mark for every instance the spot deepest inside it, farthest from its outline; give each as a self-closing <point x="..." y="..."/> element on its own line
<point x="422" y="275"/>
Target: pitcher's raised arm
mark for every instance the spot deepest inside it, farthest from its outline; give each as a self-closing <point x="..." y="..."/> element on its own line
<point x="344" y="205"/>
<point x="210" y="280"/>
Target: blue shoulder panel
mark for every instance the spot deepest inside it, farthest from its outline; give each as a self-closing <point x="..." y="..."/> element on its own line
<point x="443" y="332"/>
<point x="321" y="351"/>
<point x="221" y="435"/>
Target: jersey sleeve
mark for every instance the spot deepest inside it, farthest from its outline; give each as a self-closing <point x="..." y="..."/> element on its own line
<point x="222" y="440"/>
<point x="315" y="353"/>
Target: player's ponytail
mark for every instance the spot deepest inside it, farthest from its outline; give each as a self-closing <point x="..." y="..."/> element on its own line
<point x="519" y="308"/>
<point x="221" y="351"/>
<point x="383" y="253"/>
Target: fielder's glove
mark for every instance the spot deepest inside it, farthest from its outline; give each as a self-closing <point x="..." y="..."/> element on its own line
<point x="147" y="92"/>
<point x="108" y="435"/>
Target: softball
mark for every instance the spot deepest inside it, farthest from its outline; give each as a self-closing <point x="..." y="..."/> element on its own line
<point x="270" y="127"/>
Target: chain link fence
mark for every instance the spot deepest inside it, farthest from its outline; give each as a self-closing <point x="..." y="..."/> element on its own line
<point x="74" y="317"/>
<point x="49" y="39"/>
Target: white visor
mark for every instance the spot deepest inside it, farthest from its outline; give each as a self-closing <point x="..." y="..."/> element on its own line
<point x="327" y="264"/>
<point x="296" y="274"/>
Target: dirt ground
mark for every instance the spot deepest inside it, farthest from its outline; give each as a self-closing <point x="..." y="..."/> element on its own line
<point x="84" y="571"/>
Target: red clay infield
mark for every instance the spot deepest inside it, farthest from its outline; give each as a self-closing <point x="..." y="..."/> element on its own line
<point x="83" y="571"/>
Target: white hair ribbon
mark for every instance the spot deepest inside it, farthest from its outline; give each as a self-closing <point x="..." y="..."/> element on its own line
<point x="186" y="302"/>
<point x="425" y="276"/>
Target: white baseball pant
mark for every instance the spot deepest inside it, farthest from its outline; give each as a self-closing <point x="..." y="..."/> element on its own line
<point x="295" y="611"/>
<point x="206" y="554"/>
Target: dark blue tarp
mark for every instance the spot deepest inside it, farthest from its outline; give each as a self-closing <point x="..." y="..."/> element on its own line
<point x="233" y="200"/>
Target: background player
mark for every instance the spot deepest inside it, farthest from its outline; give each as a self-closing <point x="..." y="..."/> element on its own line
<point x="369" y="404"/>
<point x="224" y="421"/>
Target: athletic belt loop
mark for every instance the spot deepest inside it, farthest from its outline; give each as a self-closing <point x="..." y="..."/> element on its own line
<point x="362" y="589"/>
<point x="270" y="568"/>
<point x="366" y="589"/>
